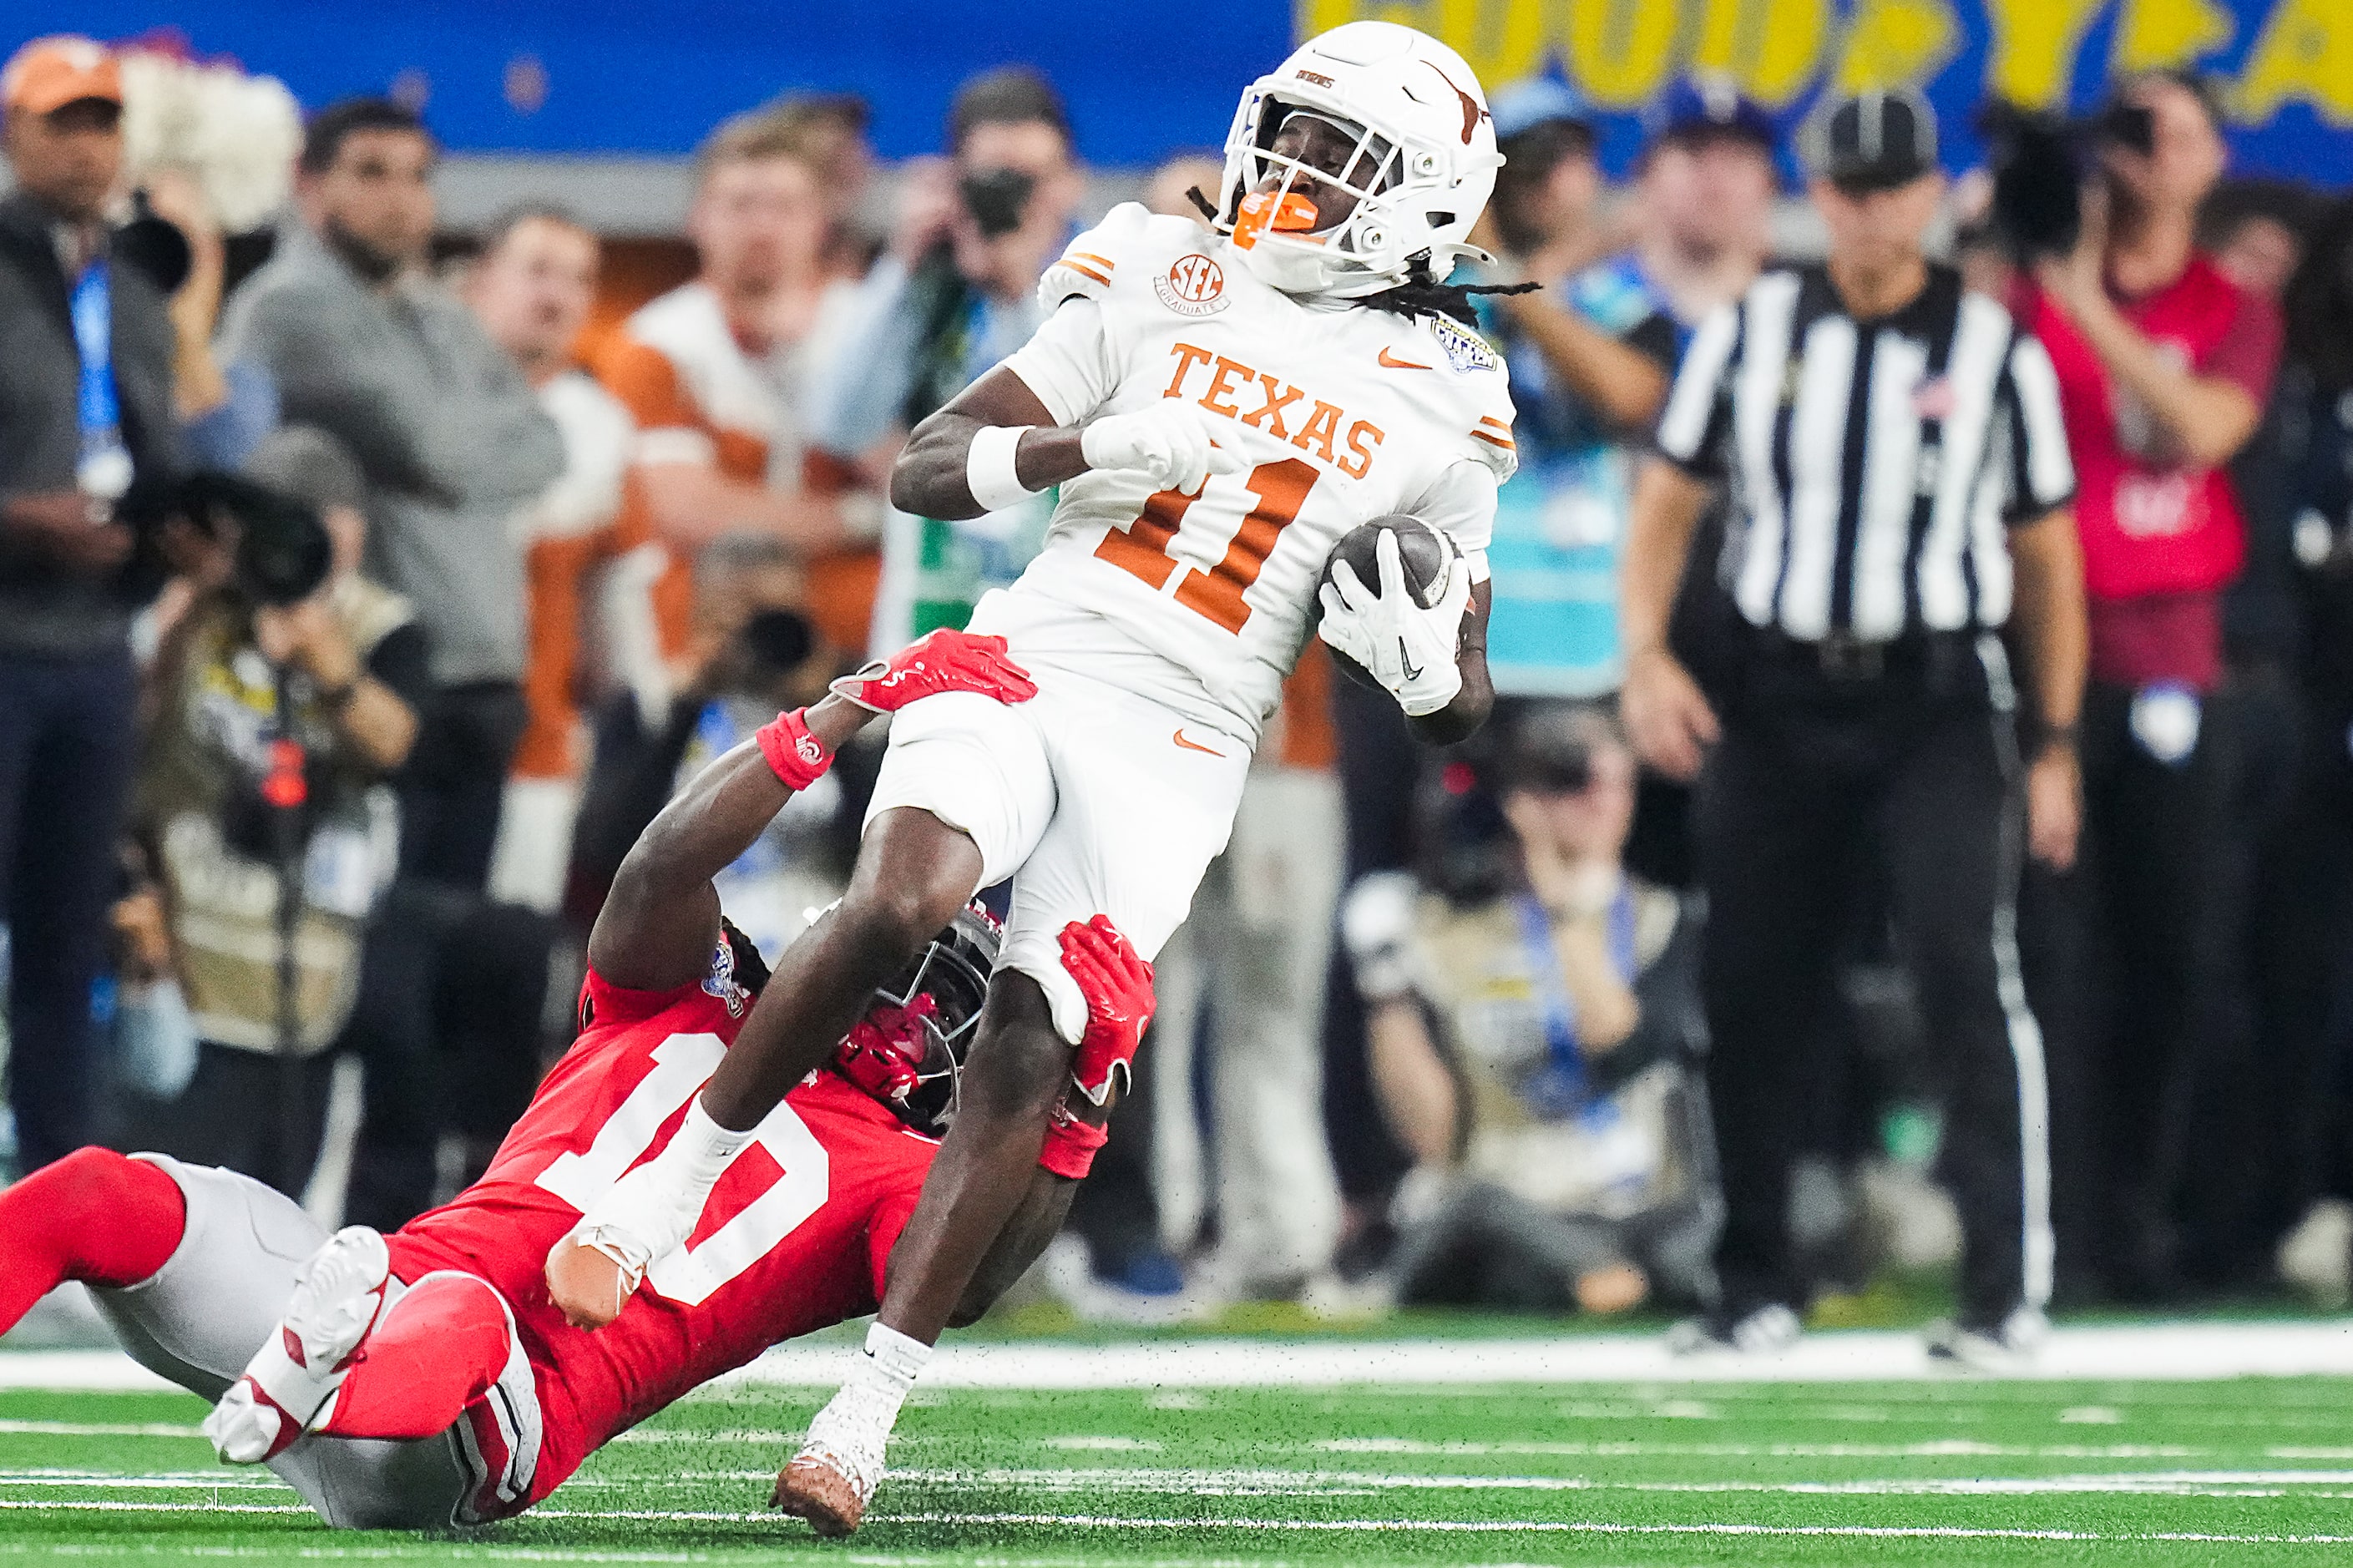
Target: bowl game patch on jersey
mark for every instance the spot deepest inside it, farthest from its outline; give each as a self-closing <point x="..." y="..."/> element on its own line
<point x="721" y="982"/>
<point x="1193" y="286"/>
<point x="1466" y="351"/>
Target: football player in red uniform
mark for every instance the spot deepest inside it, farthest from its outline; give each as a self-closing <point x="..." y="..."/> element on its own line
<point x="426" y="1378"/>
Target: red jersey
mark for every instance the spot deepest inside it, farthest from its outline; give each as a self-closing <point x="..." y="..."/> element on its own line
<point x="2151" y="529"/>
<point x="793" y="1237"/>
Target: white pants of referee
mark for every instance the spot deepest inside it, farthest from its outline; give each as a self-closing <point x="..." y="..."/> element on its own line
<point x="1816" y="785"/>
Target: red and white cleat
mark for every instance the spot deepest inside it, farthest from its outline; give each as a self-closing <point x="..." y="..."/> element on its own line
<point x="290" y="1384"/>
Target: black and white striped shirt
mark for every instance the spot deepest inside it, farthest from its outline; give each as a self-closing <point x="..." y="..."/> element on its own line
<point x="1875" y="466"/>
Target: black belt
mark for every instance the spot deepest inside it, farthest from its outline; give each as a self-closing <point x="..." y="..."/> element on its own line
<point x="1843" y="657"/>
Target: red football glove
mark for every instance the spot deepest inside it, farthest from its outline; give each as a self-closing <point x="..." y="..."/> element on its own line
<point x="1117" y="984"/>
<point x="944" y="661"/>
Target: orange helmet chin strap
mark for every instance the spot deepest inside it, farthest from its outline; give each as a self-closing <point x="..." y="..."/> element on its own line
<point x="1293" y="213"/>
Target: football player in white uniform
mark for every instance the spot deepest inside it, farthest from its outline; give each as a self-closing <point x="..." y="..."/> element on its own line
<point x="1217" y="412"/>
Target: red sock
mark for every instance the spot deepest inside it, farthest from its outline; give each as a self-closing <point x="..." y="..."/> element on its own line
<point x="439" y="1349"/>
<point x="95" y="1216"/>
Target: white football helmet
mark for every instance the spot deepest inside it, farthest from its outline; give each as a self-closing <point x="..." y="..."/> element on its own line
<point x="1424" y="166"/>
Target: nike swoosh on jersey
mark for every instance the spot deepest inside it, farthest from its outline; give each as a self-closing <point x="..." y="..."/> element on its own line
<point x="1384" y="359"/>
<point x="1196" y="745"/>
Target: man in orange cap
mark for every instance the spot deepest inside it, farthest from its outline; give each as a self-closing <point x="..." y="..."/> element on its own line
<point x="87" y="404"/>
<point x="64" y="98"/>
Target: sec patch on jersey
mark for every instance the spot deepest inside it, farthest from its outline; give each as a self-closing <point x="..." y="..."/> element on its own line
<point x="1193" y="286"/>
<point x="1428" y="562"/>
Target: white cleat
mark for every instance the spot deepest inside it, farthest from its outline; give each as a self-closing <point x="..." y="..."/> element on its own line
<point x="290" y="1384"/>
<point x="833" y="1477"/>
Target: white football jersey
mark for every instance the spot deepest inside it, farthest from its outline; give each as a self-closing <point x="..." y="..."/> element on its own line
<point x="1345" y="412"/>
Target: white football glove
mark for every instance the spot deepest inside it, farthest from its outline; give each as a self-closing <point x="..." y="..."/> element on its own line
<point x="1168" y="443"/>
<point x="1409" y="650"/>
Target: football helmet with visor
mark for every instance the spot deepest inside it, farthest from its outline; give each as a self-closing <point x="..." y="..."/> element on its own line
<point x="1388" y="160"/>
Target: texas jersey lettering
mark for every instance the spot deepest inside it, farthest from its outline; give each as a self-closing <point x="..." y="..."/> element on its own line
<point x="1343" y="414"/>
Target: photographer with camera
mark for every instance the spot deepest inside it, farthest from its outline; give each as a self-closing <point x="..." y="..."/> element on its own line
<point x="753" y="653"/>
<point x="2164" y="366"/>
<point x="285" y="698"/>
<point x="956" y="294"/>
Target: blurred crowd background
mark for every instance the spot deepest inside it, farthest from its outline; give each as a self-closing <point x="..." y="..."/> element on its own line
<point x="400" y="567"/>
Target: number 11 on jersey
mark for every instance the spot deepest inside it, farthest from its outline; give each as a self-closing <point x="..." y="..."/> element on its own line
<point x="1143" y="548"/>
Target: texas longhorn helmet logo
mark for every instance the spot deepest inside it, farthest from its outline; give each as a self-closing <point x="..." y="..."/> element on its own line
<point x="1472" y="113"/>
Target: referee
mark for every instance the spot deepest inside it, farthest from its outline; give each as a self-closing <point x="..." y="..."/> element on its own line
<point x="1899" y="478"/>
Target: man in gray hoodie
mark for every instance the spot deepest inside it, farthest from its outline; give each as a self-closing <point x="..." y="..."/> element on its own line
<point x="364" y="345"/>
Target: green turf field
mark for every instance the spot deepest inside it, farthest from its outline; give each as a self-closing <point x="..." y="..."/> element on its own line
<point x="2245" y="1471"/>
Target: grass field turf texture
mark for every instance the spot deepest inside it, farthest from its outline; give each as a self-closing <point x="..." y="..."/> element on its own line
<point x="2237" y="1471"/>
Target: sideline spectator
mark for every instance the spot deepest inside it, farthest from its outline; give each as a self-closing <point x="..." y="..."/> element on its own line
<point x="1591" y="358"/>
<point x="1704" y="195"/>
<point x="2164" y="368"/>
<point x="531" y="289"/>
<point x="956" y="294"/>
<point x="2301" y="935"/>
<point x="717" y="373"/>
<point x="290" y="621"/>
<point x="366" y="348"/>
<point x="1702" y="214"/>
<point x="831" y="128"/>
<point x="1538" y="1054"/>
<point x="86" y="403"/>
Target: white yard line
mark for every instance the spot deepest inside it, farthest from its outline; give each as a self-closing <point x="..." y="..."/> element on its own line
<point x="1275" y="1526"/>
<point x="1329" y="1483"/>
<point x="96" y="1429"/>
<point x="1476" y="1527"/>
<point x="2188" y="1352"/>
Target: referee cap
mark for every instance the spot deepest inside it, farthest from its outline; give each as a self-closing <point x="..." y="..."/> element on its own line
<point x="1874" y="140"/>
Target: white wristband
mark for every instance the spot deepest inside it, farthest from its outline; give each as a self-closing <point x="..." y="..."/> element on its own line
<point x="988" y="466"/>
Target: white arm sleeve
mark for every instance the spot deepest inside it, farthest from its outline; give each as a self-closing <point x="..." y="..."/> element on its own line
<point x="1069" y="363"/>
<point x="1461" y="504"/>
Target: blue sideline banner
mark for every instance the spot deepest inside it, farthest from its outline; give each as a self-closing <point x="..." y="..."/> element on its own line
<point x="1152" y="77"/>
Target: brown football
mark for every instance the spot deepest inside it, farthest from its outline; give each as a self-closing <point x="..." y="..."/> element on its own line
<point x="1423" y="554"/>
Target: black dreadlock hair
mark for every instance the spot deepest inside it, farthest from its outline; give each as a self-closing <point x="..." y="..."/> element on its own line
<point x="1418" y="296"/>
<point x="751" y="969"/>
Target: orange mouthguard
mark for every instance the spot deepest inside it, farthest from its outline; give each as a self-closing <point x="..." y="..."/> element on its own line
<point x="1294" y="213"/>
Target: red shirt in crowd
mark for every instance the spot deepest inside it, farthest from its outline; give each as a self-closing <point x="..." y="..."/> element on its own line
<point x="793" y="1237"/>
<point x="2160" y="540"/>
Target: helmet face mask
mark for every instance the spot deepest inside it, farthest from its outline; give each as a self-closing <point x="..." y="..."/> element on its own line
<point x="1378" y="113"/>
<point x="909" y="1051"/>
